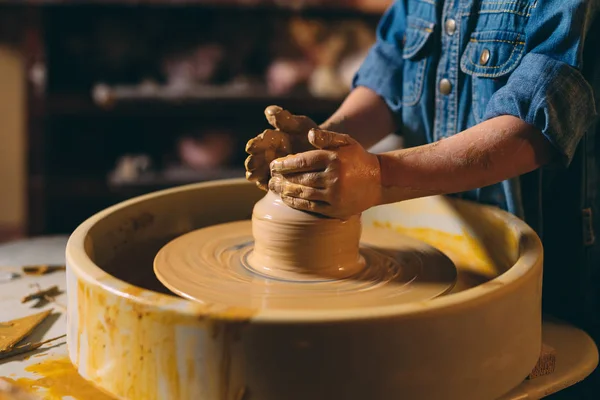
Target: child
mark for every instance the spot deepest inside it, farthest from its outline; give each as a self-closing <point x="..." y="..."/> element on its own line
<point x="495" y="100"/>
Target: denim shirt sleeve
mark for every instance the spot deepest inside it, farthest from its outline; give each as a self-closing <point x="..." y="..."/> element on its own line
<point x="547" y="90"/>
<point x="381" y="71"/>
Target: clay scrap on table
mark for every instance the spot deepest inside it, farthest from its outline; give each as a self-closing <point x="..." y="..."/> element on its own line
<point x="42" y="294"/>
<point x="12" y="332"/>
<point x="42" y="269"/>
<point x="27" y="347"/>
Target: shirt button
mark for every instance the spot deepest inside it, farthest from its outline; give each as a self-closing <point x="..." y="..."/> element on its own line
<point x="450" y="26"/>
<point x="445" y="86"/>
<point x="484" y="57"/>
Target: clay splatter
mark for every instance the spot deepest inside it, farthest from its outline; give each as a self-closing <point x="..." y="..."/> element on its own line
<point x="58" y="379"/>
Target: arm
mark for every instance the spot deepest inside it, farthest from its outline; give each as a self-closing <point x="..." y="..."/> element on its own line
<point x="342" y="179"/>
<point x="364" y="115"/>
<point x="490" y="152"/>
<point x="373" y="109"/>
<point x="369" y="113"/>
<point x="539" y="116"/>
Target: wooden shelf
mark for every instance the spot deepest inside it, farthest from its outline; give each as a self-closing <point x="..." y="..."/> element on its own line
<point x="363" y="6"/>
<point x="75" y="135"/>
<point x="78" y="104"/>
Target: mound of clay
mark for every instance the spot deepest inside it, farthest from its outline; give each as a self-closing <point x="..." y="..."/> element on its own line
<point x="289" y="242"/>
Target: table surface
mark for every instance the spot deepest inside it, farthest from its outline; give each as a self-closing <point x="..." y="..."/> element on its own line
<point x="577" y="355"/>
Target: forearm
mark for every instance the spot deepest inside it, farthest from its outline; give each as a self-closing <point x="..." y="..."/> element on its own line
<point x="364" y="116"/>
<point x="495" y="150"/>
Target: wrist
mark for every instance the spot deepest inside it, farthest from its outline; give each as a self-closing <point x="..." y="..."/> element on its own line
<point x="394" y="178"/>
<point x="380" y="189"/>
<point x="334" y="124"/>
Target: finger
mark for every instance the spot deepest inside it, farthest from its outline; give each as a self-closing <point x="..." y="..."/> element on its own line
<point x="314" y="160"/>
<point x="263" y="185"/>
<point x="269" y="139"/>
<point x="261" y="173"/>
<point x="258" y="177"/>
<point x="251" y="176"/>
<point x="306" y="205"/>
<point x="284" y="121"/>
<point x="255" y="161"/>
<point x="285" y="188"/>
<point x="322" y="139"/>
<point x="254" y="144"/>
<point x="319" y="180"/>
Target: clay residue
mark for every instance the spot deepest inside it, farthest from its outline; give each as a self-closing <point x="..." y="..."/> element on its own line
<point x="59" y="379"/>
<point x="128" y="347"/>
<point x="289" y="136"/>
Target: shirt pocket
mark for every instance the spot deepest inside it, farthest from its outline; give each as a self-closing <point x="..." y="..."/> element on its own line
<point x="488" y="59"/>
<point x="415" y="55"/>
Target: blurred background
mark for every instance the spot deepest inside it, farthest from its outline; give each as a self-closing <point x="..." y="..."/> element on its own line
<point x="101" y="101"/>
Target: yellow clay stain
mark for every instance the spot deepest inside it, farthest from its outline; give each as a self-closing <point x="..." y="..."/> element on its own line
<point x="134" y="290"/>
<point x="467" y="252"/>
<point x="58" y="379"/>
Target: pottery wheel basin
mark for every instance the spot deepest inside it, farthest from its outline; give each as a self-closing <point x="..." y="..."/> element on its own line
<point x="135" y="339"/>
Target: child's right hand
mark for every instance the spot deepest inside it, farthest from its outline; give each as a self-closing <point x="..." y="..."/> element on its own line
<point x="290" y="136"/>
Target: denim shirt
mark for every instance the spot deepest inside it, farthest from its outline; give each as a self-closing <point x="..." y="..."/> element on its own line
<point x="445" y="66"/>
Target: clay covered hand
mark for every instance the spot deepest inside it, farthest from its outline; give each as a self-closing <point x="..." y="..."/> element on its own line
<point x="289" y="136"/>
<point x="339" y="179"/>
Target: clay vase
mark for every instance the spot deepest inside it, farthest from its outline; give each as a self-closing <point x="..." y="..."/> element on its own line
<point x="294" y="244"/>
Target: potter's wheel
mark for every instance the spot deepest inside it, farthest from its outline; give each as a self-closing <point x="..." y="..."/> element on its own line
<point x="213" y="265"/>
<point x="257" y="337"/>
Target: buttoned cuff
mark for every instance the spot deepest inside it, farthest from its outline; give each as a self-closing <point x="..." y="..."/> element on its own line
<point x="381" y="71"/>
<point x="550" y="95"/>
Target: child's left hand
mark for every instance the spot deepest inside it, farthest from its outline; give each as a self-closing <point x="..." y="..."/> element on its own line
<point x="338" y="180"/>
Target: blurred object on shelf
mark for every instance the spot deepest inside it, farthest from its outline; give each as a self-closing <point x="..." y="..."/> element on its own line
<point x="308" y="55"/>
<point x="212" y="149"/>
<point x="106" y="96"/>
<point x="198" y="66"/>
<point x="284" y="76"/>
<point x="335" y="50"/>
<point x="349" y="66"/>
<point x="130" y="167"/>
<point x="325" y="82"/>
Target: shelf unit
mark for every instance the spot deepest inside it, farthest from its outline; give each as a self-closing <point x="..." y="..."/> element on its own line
<point x="74" y="140"/>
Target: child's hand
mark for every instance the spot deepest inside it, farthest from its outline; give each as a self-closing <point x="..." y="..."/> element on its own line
<point x="339" y="180"/>
<point x="289" y="137"/>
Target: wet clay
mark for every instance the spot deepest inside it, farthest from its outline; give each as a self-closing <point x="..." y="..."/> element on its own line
<point x="211" y="265"/>
<point x="289" y="136"/>
<point x="292" y="244"/>
<point x="58" y="379"/>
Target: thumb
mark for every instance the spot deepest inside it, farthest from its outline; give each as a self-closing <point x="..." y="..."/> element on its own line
<point x="286" y="122"/>
<point x="324" y="140"/>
